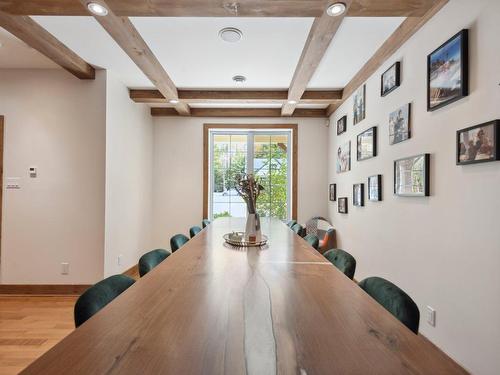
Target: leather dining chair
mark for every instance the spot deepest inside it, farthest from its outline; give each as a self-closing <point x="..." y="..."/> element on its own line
<point x="205" y="223"/>
<point x="312" y="240"/>
<point x="299" y="229"/>
<point x="99" y="295"/>
<point x="177" y="241"/>
<point x="344" y="261"/>
<point x="193" y="231"/>
<point x="151" y="259"/>
<point x="394" y="300"/>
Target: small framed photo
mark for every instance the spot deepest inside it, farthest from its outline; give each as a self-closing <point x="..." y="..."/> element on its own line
<point x="375" y="188"/>
<point x="479" y="144"/>
<point x="399" y="124"/>
<point x="390" y="79"/>
<point x="448" y="72"/>
<point x="344" y="157"/>
<point x="411" y="176"/>
<point x="342" y="205"/>
<point x="358" y="195"/>
<point x="367" y="144"/>
<point x="342" y="125"/>
<point x="359" y="106"/>
<point x="333" y="192"/>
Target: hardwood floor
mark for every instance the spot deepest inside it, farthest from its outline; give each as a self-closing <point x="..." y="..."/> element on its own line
<point x="31" y="325"/>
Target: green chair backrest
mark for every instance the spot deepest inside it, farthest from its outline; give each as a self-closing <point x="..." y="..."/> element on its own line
<point x="193" y="231"/>
<point x="299" y="229"/>
<point x="291" y="223"/>
<point x="312" y="240"/>
<point x="99" y="295"/>
<point x="344" y="261"/>
<point x="151" y="259"/>
<point x="205" y="223"/>
<point x="394" y="300"/>
<point x="177" y="241"/>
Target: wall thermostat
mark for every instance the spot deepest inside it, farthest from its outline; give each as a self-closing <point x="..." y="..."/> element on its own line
<point x="32" y="172"/>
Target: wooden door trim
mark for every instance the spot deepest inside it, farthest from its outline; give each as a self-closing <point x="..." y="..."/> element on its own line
<point x="295" y="152"/>
<point x="2" y="122"/>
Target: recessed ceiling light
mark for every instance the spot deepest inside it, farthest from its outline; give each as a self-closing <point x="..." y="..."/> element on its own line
<point x="173" y="101"/>
<point x="336" y="9"/>
<point x="239" y="79"/>
<point x="292" y="102"/>
<point x="230" y="34"/>
<point x="97" y="9"/>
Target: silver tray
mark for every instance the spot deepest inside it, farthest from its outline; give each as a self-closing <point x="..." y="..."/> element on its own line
<point x="238" y="239"/>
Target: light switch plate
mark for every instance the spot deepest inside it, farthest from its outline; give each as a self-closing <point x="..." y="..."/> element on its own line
<point x="431" y="316"/>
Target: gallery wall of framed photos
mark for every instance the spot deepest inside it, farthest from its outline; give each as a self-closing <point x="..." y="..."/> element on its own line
<point x="437" y="127"/>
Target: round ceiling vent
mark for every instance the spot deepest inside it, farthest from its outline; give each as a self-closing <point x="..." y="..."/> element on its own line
<point x="230" y="34"/>
<point x="239" y="79"/>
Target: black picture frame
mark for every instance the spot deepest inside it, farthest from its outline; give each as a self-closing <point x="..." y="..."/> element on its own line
<point x="495" y="138"/>
<point x="425" y="176"/>
<point x="342" y="125"/>
<point x="359" y="105"/>
<point x="397" y="82"/>
<point x="361" y="189"/>
<point x="332" y="192"/>
<point x="393" y="137"/>
<point x="377" y="196"/>
<point x="463" y="91"/>
<point x="359" y="155"/>
<point x="342" y="205"/>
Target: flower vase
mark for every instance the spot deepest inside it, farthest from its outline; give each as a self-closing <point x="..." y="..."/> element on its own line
<point x="252" y="230"/>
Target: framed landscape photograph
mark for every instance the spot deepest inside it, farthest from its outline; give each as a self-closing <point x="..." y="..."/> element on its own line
<point x="399" y="124"/>
<point x="367" y="144"/>
<point x="448" y="72"/>
<point x="344" y="157"/>
<point x="358" y="195"/>
<point x="479" y="144"/>
<point x="375" y="188"/>
<point x="342" y="125"/>
<point x="390" y="79"/>
<point x="359" y="106"/>
<point x="411" y="176"/>
<point x="333" y="192"/>
<point x="342" y="205"/>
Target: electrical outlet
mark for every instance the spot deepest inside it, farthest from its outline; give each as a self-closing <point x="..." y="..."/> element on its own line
<point x="120" y="259"/>
<point x="431" y="316"/>
<point x="64" y="268"/>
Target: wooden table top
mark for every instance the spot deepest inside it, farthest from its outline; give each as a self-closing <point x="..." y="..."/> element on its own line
<point x="213" y="309"/>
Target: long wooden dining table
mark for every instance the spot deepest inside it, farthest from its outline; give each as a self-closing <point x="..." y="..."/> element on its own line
<point x="210" y="308"/>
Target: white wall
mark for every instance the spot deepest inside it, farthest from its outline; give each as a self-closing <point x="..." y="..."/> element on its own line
<point x="56" y="123"/>
<point x="178" y="171"/>
<point x="444" y="250"/>
<point x="129" y="178"/>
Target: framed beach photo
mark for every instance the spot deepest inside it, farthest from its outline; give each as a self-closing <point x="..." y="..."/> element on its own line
<point x="399" y="124"/>
<point x="448" y="72"/>
<point x="344" y="157"/>
<point x="359" y="105"/>
<point x="479" y="143"/>
<point x="358" y="195"/>
<point x="411" y="176"/>
<point x="390" y="79"/>
<point x="342" y="205"/>
<point x="342" y="125"/>
<point x="332" y="193"/>
<point x="367" y="144"/>
<point x="375" y="188"/>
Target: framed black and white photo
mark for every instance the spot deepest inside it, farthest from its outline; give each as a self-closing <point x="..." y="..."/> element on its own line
<point x="479" y="143"/>
<point x="399" y="124"/>
<point x="375" y="188"/>
<point x="358" y="195"/>
<point x="344" y="157"/>
<point x="342" y="125"/>
<point x="342" y="205"/>
<point x="448" y="72"/>
<point x="390" y="79"/>
<point x="411" y="176"/>
<point x="367" y="144"/>
<point x="359" y="105"/>
<point x="332" y="193"/>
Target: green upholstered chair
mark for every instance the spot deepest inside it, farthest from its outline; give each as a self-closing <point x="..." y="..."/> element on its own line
<point x="394" y="300"/>
<point x="291" y="223"/>
<point x="344" y="261"/>
<point x="151" y="259"/>
<point x="312" y="240"/>
<point x="205" y="223"/>
<point x="99" y="295"/>
<point x="177" y="241"/>
<point x="299" y="229"/>
<point x="193" y="231"/>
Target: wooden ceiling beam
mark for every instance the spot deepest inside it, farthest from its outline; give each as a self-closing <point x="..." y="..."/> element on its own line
<point x="240" y="112"/>
<point x="128" y="38"/>
<point x="404" y="32"/>
<point x="321" y="34"/>
<point x="218" y="8"/>
<point x="30" y="32"/>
